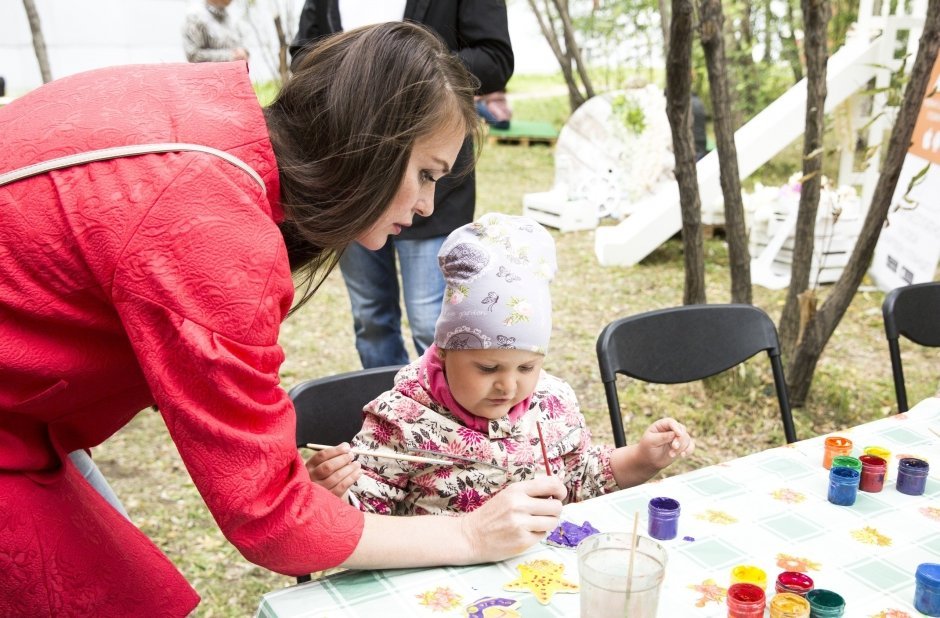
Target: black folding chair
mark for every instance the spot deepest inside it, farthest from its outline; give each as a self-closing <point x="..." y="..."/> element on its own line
<point x="685" y="344"/>
<point x="329" y="410"/>
<point x="912" y="311"/>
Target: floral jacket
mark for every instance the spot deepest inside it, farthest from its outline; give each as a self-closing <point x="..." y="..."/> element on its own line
<point x="407" y="420"/>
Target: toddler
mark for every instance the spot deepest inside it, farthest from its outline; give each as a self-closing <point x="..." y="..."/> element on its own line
<point x="479" y="396"/>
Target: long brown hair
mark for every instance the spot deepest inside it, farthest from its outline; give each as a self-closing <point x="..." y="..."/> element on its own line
<point x="343" y="129"/>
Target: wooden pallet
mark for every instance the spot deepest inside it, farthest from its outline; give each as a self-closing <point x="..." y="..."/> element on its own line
<point x="523" y="133"/>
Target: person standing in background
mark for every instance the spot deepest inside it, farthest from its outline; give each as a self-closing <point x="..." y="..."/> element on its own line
<point x="210" y="34"/>
<point x="477" y="31"/>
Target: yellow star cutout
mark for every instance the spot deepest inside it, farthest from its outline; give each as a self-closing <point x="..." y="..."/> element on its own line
<point x="543" y="578"/>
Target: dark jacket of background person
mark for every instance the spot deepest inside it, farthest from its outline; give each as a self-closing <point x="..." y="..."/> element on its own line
<point x="484" y="47"/>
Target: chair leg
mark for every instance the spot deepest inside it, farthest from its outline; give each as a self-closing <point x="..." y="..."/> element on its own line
<point x="786" y="415"/>
<point x="898" y="373"/>
<point x="616" y="420"/>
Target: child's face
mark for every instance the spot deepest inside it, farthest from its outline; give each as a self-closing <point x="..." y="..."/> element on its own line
<point x="489" y="383"/>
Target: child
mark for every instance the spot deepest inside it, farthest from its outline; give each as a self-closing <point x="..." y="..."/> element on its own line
<point x="478" y="395"/>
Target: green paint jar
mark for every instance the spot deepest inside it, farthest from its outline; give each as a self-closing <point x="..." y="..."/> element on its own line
<point x="825" y="604"/>
<point x="847" y="461"/>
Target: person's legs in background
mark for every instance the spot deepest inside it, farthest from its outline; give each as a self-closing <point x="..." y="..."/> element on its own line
<point x="423" y="286"/>
<point x="92" y="474"/>
<point x="372" y="282"/>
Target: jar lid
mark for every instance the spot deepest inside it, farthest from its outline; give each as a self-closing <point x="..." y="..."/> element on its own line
<point x="928" y="574"/>
<point x="825" y="599"/>
<point x="913" y="465"/>
<point x="873" y="460"/>
<point x="794" y="580"/>
<point x="664" y="505"/>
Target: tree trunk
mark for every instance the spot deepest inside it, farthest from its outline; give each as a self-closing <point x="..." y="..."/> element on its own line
<point x="712" y="22"/>
<point x="283" y="68"/>
<point x="823" y="324"/>
<point x="815" y="18"/>
<point x="39" y="42"/>
<point x="546" y="25"/>
<point x="664" y="21"/>
<point x="679" y="111"/>
<point x="768" y="13"/>
<point x="571" y="45"/>
<point x="790" y="50"/>
<point x="820" y="328"/>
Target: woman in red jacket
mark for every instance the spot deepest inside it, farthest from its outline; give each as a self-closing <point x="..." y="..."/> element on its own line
<point x="148" y="260"/>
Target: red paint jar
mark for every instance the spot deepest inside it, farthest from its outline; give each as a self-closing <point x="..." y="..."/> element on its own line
<point x="873" y="473"/>
<point x="745" y="601"/>
<point x="795" y="582"/>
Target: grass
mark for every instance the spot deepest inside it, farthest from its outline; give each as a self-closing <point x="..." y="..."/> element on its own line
<point x="729" y="416"/>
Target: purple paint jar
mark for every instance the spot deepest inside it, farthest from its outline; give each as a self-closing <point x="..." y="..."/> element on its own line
<point x="663" y="518"/>
<point x="912" y="476"/>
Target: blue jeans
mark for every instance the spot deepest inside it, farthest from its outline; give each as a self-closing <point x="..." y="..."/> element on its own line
<point x="372" y="281"/>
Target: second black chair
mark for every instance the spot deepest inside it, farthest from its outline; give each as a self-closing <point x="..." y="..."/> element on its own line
<point x="912" y="311"/>
<point x="685" y="344"/>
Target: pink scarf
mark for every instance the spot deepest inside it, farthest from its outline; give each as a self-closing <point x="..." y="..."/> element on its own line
<point x="440" y="392"/>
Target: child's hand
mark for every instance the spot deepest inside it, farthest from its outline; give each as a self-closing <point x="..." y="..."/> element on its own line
<point x="334" y="469"/>
<point x="665" y="440"/>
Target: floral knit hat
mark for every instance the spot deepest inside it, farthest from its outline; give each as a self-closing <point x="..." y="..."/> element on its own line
<point x="497" y="272"/>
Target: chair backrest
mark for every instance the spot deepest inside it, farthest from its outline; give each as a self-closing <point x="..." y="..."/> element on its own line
<point x="914" y="312"/>
<point x="329" y="410"/>
<point x="685" y="344"/>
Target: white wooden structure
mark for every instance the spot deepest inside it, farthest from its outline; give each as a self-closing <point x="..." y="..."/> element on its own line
<point x="872" y="52"/>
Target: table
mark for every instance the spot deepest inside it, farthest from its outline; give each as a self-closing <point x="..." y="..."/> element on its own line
<point x="768" y="509"/>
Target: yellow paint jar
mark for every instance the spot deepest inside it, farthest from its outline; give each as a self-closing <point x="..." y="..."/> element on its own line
<point x="878" y="451"/>
<point x="789" y="605"/>
<point x="749" y="574"/>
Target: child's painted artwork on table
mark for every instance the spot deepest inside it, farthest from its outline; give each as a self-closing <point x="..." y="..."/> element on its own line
<point x="543" y="578"/>
<point x="714" y="516"/>
<point x="493" y="607"/>
<point x="871" y="536"/>
<point x="794" y="563"/>
<point x="569" y="534"/>
<point x="711" y="593"/>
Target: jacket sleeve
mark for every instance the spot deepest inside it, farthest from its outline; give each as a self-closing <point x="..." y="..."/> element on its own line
<point x="384" y="482"/>
<point x="202" y="287"/>
<point x="587" y="466"/>
<point x="318" y="18"/>
<point x="483" y="42"/>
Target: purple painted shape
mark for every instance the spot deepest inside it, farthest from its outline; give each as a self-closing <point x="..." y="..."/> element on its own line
<point x="475" y="609"/>
<point x="569" y="534"/>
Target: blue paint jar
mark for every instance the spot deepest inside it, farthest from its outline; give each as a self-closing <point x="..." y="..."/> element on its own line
<point x="912" y="476"/>
<point x="927" y="590"/>
<point x="825" y="603"/>
<point x="663" y="518"/>
<point x="843" y="486"/>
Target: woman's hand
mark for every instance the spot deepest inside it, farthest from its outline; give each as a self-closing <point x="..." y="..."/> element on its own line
<point x="514" y="519"/>
<point x="334" y="469"/>
<point x="665" y="440"/>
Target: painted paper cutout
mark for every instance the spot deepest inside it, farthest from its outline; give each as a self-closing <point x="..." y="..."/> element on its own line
<point x="793" y="563"/>
<point x="493" y="607"/>
<point x="569" y="534"/>
<point x="711" y="593"/>
<point x="543" y="578"/>
<point x="441" y="599"/>
<point x="871" y="536"/>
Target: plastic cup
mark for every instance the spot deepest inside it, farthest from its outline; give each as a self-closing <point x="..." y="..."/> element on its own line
<point x="603" y="565"/>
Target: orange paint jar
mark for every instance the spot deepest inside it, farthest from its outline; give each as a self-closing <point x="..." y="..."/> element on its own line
<point x="833" y="447"/>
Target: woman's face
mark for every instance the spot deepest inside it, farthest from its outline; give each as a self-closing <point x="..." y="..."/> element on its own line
<point x="432" y="157"/>
<point x="490" y="382"/>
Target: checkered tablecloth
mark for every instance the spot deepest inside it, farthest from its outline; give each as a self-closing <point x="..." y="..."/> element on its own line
<point x="768" y="509"/>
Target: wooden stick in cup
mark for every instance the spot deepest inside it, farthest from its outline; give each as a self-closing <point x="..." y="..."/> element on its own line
<point x="636" y="521"/>
<point x="414" y="458"/>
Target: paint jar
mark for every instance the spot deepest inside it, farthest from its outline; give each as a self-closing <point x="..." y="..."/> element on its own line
<point x="927" y="589"/>
<point x="749" y="574"/>
<point x="878" y="451"/>
<point x="825" y="604"/>
<point x="843" y="486"/>
<point x="846" y="461"/>
<point x="663" y="518"/>
<point x="873" y="473"/>
<point x="833" y="447"/>
<point x="795" y="582"/>
<point x="745" y="601"/>
<point x="912" y="476"/>
<point x="789" y="605"/>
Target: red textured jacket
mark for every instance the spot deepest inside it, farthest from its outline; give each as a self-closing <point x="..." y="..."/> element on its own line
<point x="161" y="279"/>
